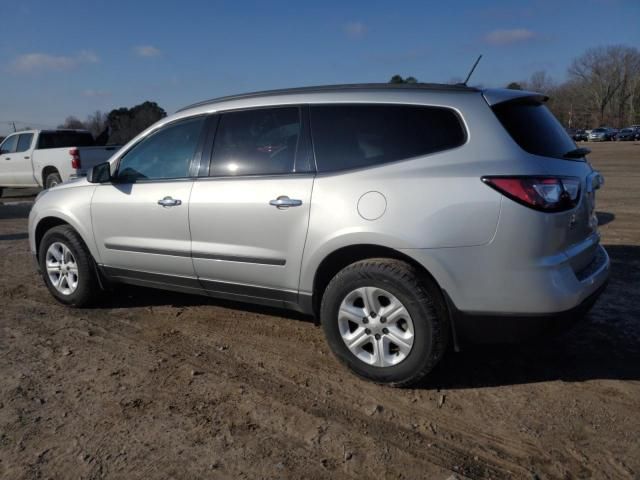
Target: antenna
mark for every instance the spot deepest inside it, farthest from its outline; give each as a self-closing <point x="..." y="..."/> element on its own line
<point x="472" y="70"/>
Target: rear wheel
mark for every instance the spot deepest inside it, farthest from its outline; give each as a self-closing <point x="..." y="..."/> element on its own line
<point x="52" y="180"/>
<point x="68" y="268"/>
<point x="385" y="321"/>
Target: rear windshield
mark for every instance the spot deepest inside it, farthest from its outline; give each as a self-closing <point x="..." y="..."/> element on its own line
<point x="65" y="139"/>
<point x="534" y="128"/>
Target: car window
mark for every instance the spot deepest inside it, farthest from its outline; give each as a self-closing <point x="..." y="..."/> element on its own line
<point x="24" y="142"/>
<point x="256" y="142"/>
<point x="353" y="136"/>
<point x="63" y="139"/>
<point x="166" y="153"/>
<point x="534" y="128"/>
<point x="9" y="144"/>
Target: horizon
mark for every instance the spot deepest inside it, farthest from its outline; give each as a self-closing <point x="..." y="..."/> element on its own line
<point x="75" y="60"/>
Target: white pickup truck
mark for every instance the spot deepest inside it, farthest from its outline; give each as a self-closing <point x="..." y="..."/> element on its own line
<point x="44" y="158"/>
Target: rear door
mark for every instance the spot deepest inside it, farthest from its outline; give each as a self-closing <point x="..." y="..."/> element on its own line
<point x="249" y="216"/>
<point x="141" y="220"/>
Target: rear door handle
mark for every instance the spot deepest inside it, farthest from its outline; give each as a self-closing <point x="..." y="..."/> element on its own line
<point x="285" y="202"/>
<point x="169" y="202"/>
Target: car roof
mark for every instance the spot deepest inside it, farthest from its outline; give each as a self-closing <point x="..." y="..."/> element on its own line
<point x="360" y="87"/>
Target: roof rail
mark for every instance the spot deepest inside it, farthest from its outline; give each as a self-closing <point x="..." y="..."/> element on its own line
<point x="338" y="88"/>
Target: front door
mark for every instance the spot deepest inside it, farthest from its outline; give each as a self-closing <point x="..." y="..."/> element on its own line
<point x="7" y="160"/>
<point x="22" y="163"/>
<point x="141" y="219"/>
<point x="249" y="217"/>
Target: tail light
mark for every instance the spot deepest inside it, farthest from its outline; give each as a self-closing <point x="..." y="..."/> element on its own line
<point x="547" y="194"/>
<point x="75" y="158"/>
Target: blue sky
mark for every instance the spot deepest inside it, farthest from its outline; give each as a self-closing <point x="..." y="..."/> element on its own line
<point x="74" y="57"/>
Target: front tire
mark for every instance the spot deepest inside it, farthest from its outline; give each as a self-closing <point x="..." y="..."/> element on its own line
<point x="67" y="267"/>
<point x="385" y="320"/>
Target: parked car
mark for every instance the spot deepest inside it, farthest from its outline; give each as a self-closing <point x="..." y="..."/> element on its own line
<point x="627" y="134"/>
<point x="45" y="158"/>
<point x="601" y="134"/>
<point x="580" y="135"/>
<point x="418" y="215"/>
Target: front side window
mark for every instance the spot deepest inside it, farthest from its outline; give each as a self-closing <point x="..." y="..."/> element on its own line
<point x="166" y="153"/>
<point x="24" y="142"/>
<point x="355" y="136"/>
<point x="9" y="145"/>
<point x="256" y="142"/>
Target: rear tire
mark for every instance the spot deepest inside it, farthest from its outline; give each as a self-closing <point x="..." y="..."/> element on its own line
<point x="398" y="350"/>
<point x="52" y="180"/>
<point x="67" y="267"/>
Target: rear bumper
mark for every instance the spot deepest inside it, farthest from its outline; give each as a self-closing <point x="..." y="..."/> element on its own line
<point x="470" y="328"/>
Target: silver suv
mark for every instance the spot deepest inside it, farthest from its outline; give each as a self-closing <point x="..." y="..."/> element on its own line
<point x="400" y="217"/>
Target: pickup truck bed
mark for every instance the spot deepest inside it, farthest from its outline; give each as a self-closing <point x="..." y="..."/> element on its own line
<point x="42" y="158"/>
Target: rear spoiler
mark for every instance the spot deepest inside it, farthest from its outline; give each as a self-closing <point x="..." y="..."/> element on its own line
<point x="494" y="96"/>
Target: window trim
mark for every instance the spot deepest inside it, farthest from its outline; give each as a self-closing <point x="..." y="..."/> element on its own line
<point x="193" y="165"/>
<point x="303" y="146"/>
<point x="455" y="111"/>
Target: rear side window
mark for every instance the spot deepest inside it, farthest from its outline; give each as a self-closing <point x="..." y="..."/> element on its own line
<point x="65" y="139"/>
<point x="354" y="136"/>
<point x="257" y="142"/>
<point x="24" y="143"/>
<point x="534" y="128"/>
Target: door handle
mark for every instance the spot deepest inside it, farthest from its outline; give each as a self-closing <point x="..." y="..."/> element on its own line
<point x="169" y="202"/>
<point x="285" y="202"/>
<point x="7" y="158"/>
<point x="26" y="158"/>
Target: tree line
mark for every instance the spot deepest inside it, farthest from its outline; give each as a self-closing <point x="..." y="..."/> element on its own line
<point x="119" y="125"/>
<point x="602" y="88"/>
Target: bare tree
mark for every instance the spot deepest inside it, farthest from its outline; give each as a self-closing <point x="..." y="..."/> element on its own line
<point x="96" y="123"/>
<point x="72" y="122"/>
<point x="610" y="75"/>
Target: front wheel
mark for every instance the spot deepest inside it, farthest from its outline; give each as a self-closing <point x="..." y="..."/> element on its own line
<point x="385" y="321"/>
<point x="68" y="268"/>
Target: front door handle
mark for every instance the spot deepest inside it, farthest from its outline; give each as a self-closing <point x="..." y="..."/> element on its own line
<point x="169" y="202"/>
<point x="285" y="202"/>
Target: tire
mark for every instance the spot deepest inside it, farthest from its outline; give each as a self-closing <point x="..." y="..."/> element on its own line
<point x="424" y="311"/>
<point x="85" y="290"/>
<point x="52" y="180"/>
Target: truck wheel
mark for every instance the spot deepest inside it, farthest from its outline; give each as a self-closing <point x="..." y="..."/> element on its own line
<point x="68" y="268"/>
<point x="385" y="321"/>
<point x="52" y="180"/>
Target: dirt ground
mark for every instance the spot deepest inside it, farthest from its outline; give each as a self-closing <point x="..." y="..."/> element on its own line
<point x="158" y="385"/>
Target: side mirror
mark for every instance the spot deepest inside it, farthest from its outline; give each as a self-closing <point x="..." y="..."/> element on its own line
<point x="101" y="173"/>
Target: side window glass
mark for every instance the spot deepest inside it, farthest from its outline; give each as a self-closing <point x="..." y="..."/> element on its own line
<point x="356" y="136"/>
<point x="167" y="153"/>
<point x="24" y="142"/>
<point x="257" y="142"/>
<point x="9" y="145"/>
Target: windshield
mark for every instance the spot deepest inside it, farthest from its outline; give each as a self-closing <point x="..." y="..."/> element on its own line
<point x="534" y="128"/>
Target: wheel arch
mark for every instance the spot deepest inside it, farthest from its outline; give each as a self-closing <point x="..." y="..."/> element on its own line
<point x="338" y="259"/>
<point x="46" y="171"/>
